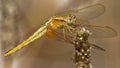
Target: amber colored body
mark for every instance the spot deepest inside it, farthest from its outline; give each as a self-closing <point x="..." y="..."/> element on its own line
<point x="55" y="23"/>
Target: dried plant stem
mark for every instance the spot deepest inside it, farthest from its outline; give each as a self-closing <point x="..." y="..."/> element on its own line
<point x="82" y="56"/>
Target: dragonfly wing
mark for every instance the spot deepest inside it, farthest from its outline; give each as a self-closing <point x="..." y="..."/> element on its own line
<point x="71" y="37"/>
<point x="39" y="33"/>
<point x="83" y="22"/>
<point x="101" y="31"/>
<point x="96" y="46"/>
<point x="87" y="13"/>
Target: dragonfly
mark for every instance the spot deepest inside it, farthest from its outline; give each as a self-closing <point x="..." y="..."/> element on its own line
<point x="67" y="23"/>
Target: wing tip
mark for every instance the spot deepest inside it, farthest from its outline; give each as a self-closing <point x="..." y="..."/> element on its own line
<point x="115" y="32"/>
<point x="100" y="5"/>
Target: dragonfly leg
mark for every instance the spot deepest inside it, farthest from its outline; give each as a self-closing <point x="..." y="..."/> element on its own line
<point x="64" y="35"/>
<point x="69" y="28"/>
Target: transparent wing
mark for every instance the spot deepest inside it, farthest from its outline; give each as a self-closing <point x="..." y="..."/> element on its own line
<point x="87" y="13"/>
<point x="70" y="37"/>
<point x="82" y="21"/>
<point x="96" y="31"/>
<point x="101" y="31"/>
<point x="38" y="34"/>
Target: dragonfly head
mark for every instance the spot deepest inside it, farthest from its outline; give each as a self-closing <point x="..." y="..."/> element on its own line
<point x="71" y="20"/>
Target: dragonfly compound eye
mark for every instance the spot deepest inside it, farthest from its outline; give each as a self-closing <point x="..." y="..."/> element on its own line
<point x="71" y="19"/>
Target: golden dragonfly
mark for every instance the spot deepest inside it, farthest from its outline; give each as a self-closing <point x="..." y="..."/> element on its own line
<point x="67" y="21"/>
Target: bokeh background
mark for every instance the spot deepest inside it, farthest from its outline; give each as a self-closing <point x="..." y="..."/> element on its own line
<point x="21" y="18"/>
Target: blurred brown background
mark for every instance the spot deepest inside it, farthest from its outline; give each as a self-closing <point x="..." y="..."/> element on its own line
<point x="45" y="53"/>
